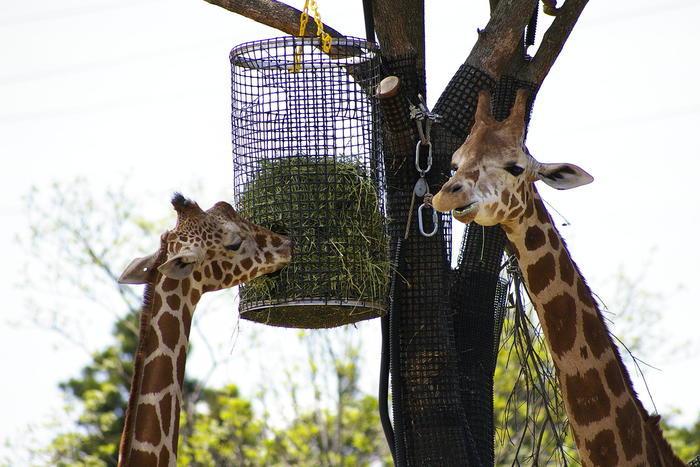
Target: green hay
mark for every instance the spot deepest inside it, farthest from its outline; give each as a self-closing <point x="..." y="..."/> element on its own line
<point x="331" y="210"/>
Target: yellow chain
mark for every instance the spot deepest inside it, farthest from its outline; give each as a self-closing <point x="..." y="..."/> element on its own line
<point x="304" y="19"/>
<point x="326" y="39"/>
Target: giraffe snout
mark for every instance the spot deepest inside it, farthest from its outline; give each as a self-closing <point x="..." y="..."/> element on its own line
<point x="456" y="187"/>
<point x="286" y="249"/>
<point x="449" y="196"/>
<point x="289" y="244"/>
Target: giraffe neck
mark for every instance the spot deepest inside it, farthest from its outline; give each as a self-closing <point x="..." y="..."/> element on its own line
<point x="150" y="434"/>
<point x="609" y="423"/>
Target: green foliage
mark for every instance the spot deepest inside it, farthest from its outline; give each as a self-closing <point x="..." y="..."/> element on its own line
<point x="353" y="438"/>
<point x="220" y="429"/>
<point x="100" y="393"/>
<point x="685" y="441"/>
<point x="344" y="431"/>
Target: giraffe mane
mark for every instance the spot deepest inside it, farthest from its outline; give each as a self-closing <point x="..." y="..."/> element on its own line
<point x="139" y="356"/>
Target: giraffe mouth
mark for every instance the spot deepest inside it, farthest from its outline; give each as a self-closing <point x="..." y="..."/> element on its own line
<point x="464" y="210"/>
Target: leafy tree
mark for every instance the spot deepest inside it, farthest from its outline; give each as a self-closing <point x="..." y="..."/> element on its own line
<point x="685" y="441"/>
<point x="345" y="430"/>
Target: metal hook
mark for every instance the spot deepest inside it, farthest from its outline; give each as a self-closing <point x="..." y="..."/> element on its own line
<point x="430" y="157"/>
<point x="420" y="220"/>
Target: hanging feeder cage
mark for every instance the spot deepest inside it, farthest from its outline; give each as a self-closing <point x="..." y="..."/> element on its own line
<point x="306" y="163"/>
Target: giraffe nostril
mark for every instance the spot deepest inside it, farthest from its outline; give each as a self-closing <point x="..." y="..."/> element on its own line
<point x="456" y="187"/>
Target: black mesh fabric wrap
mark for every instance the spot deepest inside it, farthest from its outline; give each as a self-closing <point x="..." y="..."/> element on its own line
<point x="307" y="163"/>
<point x="477" y="296"/>
<point x="428" y="415"/>
<point x="431" y="426"/>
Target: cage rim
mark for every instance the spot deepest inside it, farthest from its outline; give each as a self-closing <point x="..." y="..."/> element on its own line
<point x="235" y="56"/>
<point x="257" y="306"/>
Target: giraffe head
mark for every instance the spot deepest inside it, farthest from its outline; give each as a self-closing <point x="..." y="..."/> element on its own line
<point x="494" y="171"/>
<point x="216" y="248"/>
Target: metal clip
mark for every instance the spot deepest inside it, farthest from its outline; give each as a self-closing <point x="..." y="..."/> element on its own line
<point x="420" y="220"/>
<point x="430" y="158"/>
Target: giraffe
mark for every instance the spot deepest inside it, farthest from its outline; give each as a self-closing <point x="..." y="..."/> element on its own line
<point x="493" y="183"/>
<point x="206" y="251"/>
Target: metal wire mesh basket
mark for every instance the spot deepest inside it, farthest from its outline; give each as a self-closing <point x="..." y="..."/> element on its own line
<point x="306" y="163"/>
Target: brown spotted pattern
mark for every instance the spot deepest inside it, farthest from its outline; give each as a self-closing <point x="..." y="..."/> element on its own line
<point x="493" y="184"/>
<point x="560" y="320"/>
<point x="587" y="397"/>
<point x="597" y="391"/>
<point x="151" y="438"/>
<point x="602" y="449"/>
<point x="614" y="379"/>
<point x="566" y="267"/>
<point x="534" y="238"/>
<point x="541" y="273"/>
<point x="629" y="423"/>
<point x="596" y="333"/>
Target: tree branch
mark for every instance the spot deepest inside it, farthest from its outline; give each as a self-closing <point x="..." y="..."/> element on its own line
<point x="400" y="30"/>
<point x="501" y="36"/>
<point x="272" y="13"/>
<point x="553" y="41"/>
<point x="400" y="27"/>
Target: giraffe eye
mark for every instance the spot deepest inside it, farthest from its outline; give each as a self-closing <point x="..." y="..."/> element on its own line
<point x="234" y="246"/>
<point x="514" y="170"/>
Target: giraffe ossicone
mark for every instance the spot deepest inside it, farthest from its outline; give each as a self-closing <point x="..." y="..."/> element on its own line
<point x="494" y="183"/>
<point x="206" y="251"/>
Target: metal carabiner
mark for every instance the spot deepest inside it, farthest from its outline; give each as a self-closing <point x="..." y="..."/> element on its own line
<point x="430" y="157"/>
<point x="420" y="220"/>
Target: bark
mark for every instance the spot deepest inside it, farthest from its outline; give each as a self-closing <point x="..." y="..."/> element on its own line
<point x="400" y="29"/>
<point x="553" y="41"/>
<point x="501" y="37"/>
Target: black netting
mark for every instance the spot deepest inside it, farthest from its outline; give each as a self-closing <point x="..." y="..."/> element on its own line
<point x="444" y="325"/>
<point x="503" y="97"/>
<point x="430" y="424"/>
<point x="478" y="293"/>
<point x="306" y="162"/>
<point x="459" y="99"/>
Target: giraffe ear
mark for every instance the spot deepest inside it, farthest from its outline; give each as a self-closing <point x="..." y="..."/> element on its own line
<point x="563" y="176"/>
<point x="138" y="270"/>
<point x="180" y="265"/>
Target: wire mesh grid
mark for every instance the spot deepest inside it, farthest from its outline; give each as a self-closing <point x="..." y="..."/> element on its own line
<point x="306" y="160"/>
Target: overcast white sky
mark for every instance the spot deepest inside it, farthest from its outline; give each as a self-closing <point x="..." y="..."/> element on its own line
<point x="108" y="89"/>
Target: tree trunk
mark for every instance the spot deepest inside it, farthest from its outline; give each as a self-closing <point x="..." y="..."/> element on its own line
<point x="438" y="392"/>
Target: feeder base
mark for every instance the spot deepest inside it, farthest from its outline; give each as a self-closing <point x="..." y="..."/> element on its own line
<point x="312" y="314"/>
